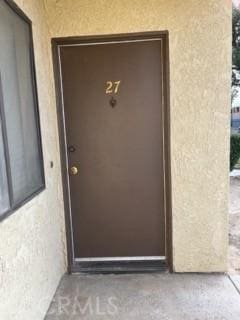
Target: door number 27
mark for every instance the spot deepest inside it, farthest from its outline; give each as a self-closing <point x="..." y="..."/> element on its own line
<point x="112" y="87"/>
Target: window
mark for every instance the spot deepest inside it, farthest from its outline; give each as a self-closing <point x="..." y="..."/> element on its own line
<point x="21" y="165"/>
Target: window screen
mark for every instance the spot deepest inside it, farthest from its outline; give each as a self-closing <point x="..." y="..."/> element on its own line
<point x="21" y="171"/>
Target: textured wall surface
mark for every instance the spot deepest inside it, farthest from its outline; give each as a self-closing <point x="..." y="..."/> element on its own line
<point x="200" y="63"/>
<point x="32" y="248"/>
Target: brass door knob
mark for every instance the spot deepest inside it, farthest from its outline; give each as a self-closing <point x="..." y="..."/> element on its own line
<point x="73" y="171"/>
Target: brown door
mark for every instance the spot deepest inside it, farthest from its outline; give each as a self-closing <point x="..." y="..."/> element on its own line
<point x="112" y="95"/>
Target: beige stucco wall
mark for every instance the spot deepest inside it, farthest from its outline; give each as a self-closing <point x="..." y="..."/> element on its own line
<point x="200" y="63"/>
<point x="32" y="248"/>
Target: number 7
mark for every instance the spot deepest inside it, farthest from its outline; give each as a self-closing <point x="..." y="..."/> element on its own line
<point x="117" y="83"/>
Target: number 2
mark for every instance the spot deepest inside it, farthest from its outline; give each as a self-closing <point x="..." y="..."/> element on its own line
<point x="109" y="87"/>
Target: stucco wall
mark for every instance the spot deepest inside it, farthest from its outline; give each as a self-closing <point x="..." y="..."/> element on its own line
<point x="200" y="63"/>
<point x="32" y="248"/>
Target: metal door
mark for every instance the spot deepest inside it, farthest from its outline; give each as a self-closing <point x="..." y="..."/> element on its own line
<point x="112" y="96"/>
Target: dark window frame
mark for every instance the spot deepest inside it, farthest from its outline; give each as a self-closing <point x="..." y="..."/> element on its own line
<point x="16" y="206"/>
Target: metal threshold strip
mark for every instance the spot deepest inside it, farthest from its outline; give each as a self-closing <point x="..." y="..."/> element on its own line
<point x="147" y="258"/>
<point x="120" y="265"/>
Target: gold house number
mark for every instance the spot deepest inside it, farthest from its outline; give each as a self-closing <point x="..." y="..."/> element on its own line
<point x="112" y="87"/>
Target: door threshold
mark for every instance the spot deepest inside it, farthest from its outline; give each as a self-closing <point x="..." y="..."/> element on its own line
<point x="119" y="266"/>
<point x="137" y="258"/>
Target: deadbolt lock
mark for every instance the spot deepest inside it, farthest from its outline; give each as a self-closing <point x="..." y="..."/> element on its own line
<point x="73" y="171"/>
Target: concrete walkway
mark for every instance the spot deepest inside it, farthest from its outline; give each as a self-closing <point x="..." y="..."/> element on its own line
<point x="147" y="296"/>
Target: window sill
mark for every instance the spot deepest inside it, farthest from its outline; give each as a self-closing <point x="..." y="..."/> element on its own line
<point x="12" y="210"/>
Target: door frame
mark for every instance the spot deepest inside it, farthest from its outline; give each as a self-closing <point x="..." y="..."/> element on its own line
<point x="115" y="266"/>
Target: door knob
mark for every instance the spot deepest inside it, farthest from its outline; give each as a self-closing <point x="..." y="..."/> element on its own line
<point x="73" y="171"/>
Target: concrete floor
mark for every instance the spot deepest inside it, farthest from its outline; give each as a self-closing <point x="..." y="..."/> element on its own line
<point x="147" y="296"/>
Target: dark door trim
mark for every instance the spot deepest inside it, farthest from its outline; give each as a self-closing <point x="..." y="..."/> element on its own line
<point x="115" y="266"/>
